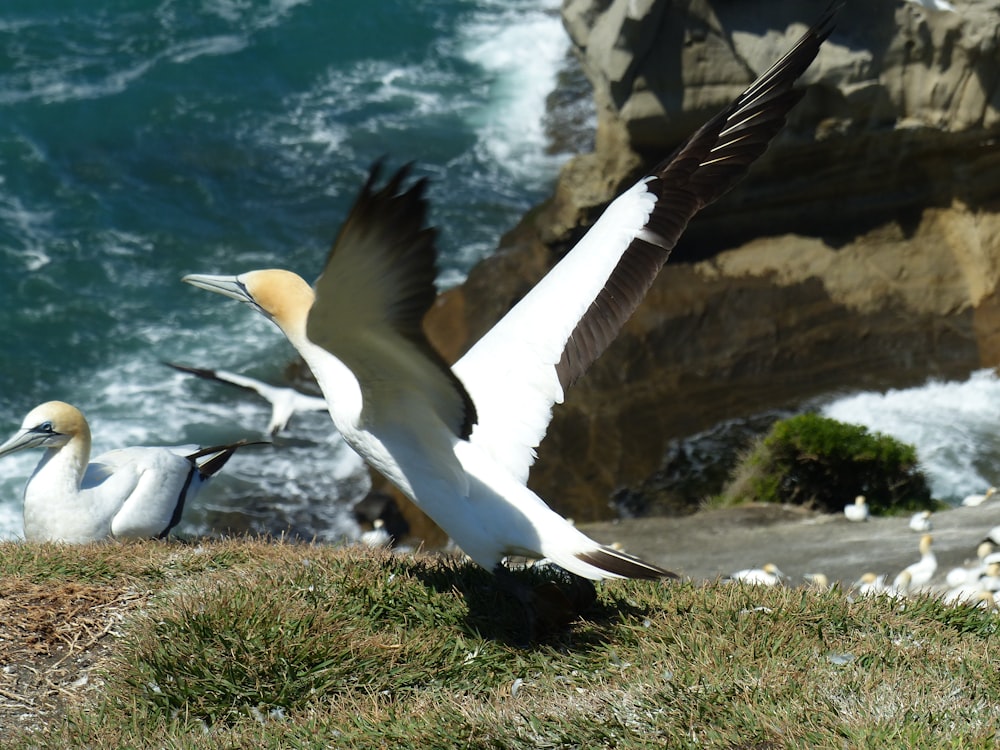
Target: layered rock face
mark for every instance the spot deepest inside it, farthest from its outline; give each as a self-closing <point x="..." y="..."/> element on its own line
<point x="862" y="251"/>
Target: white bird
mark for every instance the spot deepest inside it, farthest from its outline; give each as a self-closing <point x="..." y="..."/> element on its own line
<point x="990" y="580"/>
<point x="285" y="402"/>
<point x="126" y="493"/>
<point x="966" y="593"/>
<point x="921" y="522"/>
<point x="460" y="441"/>
<point x="766" y="575"/>
<point x="858" y="510"/>
<point x="972" y="501"/>
<point x="377" y="536"/>
<point x="962" y="575"/>
<point x="919" y="573"/>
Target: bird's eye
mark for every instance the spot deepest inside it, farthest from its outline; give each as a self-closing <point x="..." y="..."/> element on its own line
<point x="45" y="427"/>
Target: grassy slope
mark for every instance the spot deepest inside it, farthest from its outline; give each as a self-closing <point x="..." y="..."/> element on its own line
<point x="251" y="644"/>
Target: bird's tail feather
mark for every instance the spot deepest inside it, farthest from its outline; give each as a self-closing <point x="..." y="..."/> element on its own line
<point x="623" y="565"/>
<point x="220" y="455"/>
<point x="596" y="561"/>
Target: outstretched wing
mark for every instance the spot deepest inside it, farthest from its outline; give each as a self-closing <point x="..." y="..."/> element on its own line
<point x="523" y="365"/>
<point x="371" y="299"/>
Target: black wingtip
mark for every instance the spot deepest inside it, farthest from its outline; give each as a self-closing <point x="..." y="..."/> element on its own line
<point x="623" y="564"/>
<point x="199" y="371"/>
<point x="224" y="453"/>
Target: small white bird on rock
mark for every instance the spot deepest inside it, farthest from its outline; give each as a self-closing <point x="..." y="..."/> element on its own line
<point x="126" y="493"/>
<point x="973" y="501"/>
<point x="858" y="510"/>
<point x="921" y="522"/>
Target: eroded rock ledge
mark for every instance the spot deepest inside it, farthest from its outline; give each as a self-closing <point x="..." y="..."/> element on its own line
<point x="862" y="251"/>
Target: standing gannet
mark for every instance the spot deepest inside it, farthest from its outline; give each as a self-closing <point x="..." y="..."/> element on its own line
<point x="125" y="493"/>
<point x="919" y="574"/>
<point x="460" y="441"/>
<point x="858" y="510"/>
<point x="972" y="501"/>
<point x="285" y="402"/>
<point x="921" y="522"/>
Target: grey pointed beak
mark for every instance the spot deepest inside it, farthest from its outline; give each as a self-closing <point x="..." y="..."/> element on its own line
<point x="21" y="440"/>
<point x="230" y="286"/>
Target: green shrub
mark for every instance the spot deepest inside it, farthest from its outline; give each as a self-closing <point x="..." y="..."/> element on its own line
<point x="813" y="460"/>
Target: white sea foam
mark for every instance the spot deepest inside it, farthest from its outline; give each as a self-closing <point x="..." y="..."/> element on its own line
<point x="224" y="44"/>
<point x="952" y="424"/>
<point x="521" y="47"/>
<point x="29" y="232"/>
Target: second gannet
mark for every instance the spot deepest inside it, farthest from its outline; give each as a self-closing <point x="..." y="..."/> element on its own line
<point x="460" y="441"/>
<point x="285" y="402"/>
<point x="858" y="510"/>
<point x="125" y="493"/>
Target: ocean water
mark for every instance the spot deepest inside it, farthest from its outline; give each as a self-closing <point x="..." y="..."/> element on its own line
<point x="144" y="139"/>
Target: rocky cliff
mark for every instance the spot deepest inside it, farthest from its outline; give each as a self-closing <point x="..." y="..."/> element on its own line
<point x="862" y="251"/>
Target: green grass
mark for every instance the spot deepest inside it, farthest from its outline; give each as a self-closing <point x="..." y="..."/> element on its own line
<point x="253" y="644"/>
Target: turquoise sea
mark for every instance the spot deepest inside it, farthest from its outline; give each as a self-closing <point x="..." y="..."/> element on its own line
<point x="144" y="139"/>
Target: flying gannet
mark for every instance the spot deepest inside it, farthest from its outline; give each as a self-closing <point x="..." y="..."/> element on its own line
<point x="460" y="441"/>
<point x="125" y="493"/>
<point x="285" y="402"/>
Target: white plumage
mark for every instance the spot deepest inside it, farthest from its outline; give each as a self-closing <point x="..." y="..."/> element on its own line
<point x="918" y="574"/>
<point x="921" y="522"/>
<point x="126" y="493"/>
<point x="766" y="575"/>
<point x="974" y="501"/>
<point x="460" y="441"/>
<point x="858" y="510"/>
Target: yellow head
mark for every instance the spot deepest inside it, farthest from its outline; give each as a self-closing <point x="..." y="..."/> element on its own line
<point x="279" y="295"/>
<point x="49" y="425"/>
